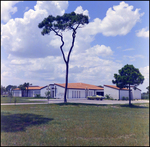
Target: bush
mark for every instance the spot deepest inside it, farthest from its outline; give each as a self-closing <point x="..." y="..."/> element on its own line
<point x="127" y="98"/>
<point x="107" y="96"/>
<point x="37" y="95"/>
<point x="123" y="98"/>
<point x="145" y="96"/>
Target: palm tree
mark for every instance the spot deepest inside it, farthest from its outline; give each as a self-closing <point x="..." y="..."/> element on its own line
<point x="22" y="88"/>
<point x="26" y="85"/>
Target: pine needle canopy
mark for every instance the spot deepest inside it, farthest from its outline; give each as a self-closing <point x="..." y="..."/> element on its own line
<point x="128" y="75"/>
<point x="67" y="21"/>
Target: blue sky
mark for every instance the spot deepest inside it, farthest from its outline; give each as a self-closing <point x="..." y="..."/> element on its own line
<point x="117" y="34"/>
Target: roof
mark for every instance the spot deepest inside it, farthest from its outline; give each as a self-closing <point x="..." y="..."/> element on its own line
<point x="32" y="88"/>
<point x="115" y="87"/>
<point x="136" y="88"/>
<point x="80" y="86"/>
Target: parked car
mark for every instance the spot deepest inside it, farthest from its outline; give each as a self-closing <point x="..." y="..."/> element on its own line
<point x="95" y="97"/>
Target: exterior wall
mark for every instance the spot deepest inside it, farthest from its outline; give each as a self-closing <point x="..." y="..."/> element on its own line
<point x="136" y="93"/>
<point x="124" y="93"/>
<point x="58" y="92"/>
<point x="31" y="93"/>
<point x="36" y="92"/>
<point x="17" y="93"/>
<point x="114" y="93"/>
<point x="72" y="93"/>
<point x="77" y="93"/>
<point x="42" y="92"/>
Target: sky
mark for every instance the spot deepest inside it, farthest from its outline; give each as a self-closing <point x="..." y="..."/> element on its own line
<point x="117" y="34"/>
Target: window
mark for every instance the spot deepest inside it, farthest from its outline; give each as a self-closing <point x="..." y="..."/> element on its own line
<point x="79" y="94"/>
<point x="73" y="94"/>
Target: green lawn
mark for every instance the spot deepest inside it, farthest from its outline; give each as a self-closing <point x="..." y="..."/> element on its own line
<point x="75" y="124"/>
<point x="19" y="100"/>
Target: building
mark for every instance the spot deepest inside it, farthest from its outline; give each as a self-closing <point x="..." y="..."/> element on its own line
<point x="32" y="91"/>
<point x="117" y="93"/>
<point x="75" y="90"/>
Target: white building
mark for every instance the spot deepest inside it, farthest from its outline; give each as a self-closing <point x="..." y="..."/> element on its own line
<point x="32" y="91"/>
<point x="75" y="90"/>
<point x="117" y="93"/>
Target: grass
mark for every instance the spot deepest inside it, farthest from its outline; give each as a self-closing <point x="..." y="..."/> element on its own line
<point x="19" y="100"/>
<point x="75" y="124"/>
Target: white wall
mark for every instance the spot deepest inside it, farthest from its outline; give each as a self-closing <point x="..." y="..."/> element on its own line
<point x="17" y="93"/>
<point x="59" y="92"/>
<point x="30" y="93"/>
<point x="124" y="93"/>
<point x="42" y="92"/>
<point x="77" y="93"/>
<point x="136" y="93"/>
<point x="114" y="93"/>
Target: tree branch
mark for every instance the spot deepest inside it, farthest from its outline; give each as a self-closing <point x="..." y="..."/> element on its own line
<point x="61" y="45"/>
<point x="73" y="36"/>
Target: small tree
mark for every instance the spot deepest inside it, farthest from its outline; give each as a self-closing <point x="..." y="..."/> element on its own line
<point x="58" y="24"/>
<point x="128" y="76"/>
<point x="147" y="89"/>
<point x="3" y="89"/>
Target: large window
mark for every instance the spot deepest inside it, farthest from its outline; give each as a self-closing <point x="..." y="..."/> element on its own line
<point x="76" y="94"/>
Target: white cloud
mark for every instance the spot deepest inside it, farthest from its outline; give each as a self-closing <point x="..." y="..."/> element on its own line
<point x="129" y="49"/>
<point x="7" y="8"/>
<point x="145" y="72"/>
<point x="118" y="21"/>
<point x="22" y="37"/>
<point x="79" y="10"/>
<point x="52" y="7"/>
<point x="133" y="58"/>
<point x="37" y="59"/>
<point x="143" y="33"/>
<point x="100" y="50"/>
<point x="27" y="8"/>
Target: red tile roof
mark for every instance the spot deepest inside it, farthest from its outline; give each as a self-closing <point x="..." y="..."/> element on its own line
<point x="115" y="87"/>
<point x="32" y="88"/>
<point x="80" y="86"/>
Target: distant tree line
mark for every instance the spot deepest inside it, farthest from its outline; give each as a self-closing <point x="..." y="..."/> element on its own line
<point x="8" y="89"/>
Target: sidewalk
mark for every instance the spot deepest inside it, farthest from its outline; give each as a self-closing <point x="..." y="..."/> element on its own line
<point x="44" y="101"/>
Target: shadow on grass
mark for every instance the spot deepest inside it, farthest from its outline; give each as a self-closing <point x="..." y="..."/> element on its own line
<point x="133" y="106"/>
<point x="79" y="104"/>
<point x="19" y="122"/>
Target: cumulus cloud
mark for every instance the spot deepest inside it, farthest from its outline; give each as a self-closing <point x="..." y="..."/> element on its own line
<point x="38" y="59"/>
<point x="79" y="10"/>
<point x="7" y="8"/>
<point x="145" y="72"/>
<point x="143" y="33"/>
<point x="118" y="21"/>
<point x="21" y="36"/>
<point x="100" y="50"/>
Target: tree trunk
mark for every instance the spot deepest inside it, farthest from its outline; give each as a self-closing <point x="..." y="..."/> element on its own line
<point x="66" y="86"/>
<point x="129" y="96"/>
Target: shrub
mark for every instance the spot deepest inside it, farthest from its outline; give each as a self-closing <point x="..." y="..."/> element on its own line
<point x="123" y="98"/>
<point x="107" y="96"/>
<point x="37" y="95"/>
<point x="145" y="96"/>
<point x="127" y="98"/>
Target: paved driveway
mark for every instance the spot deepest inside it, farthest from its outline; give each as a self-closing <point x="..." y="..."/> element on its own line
<point x="54" y="101"/>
